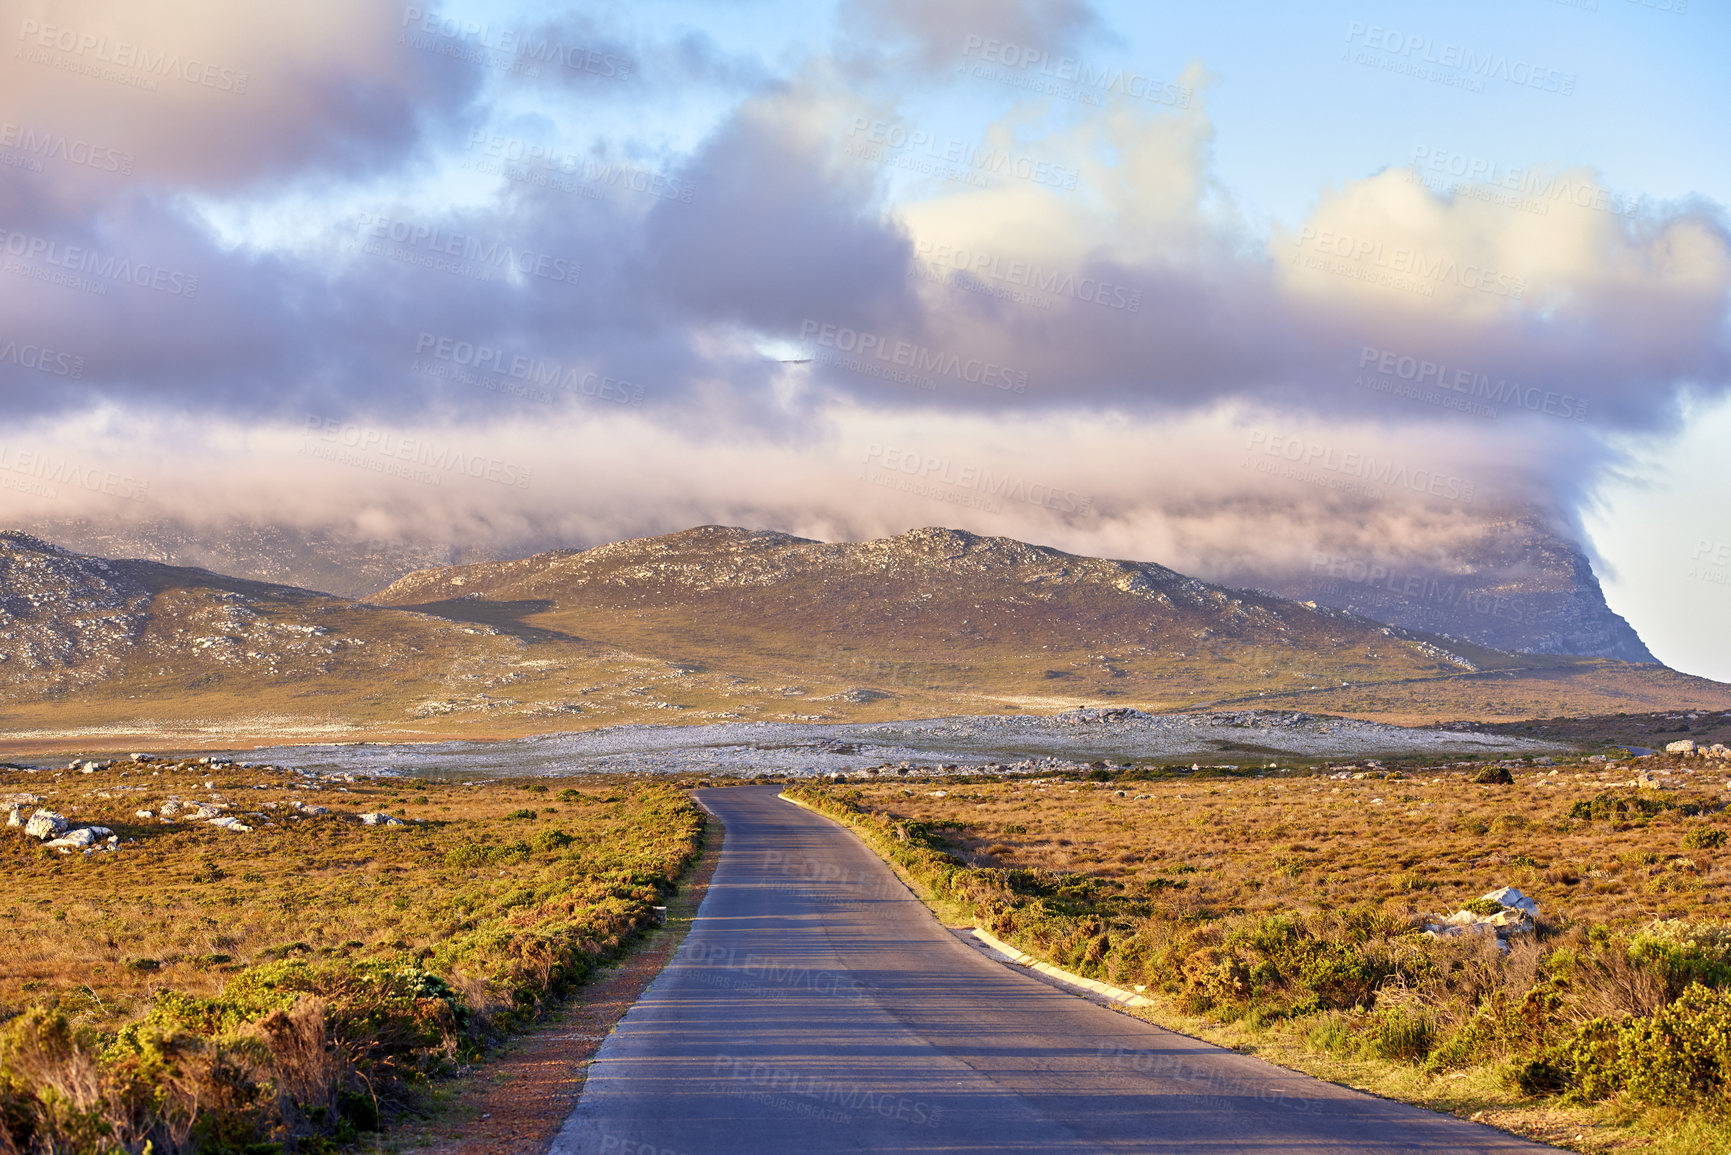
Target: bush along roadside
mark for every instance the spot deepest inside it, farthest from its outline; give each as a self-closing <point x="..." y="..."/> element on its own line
<point x="304" y="1054"/>
<point x="1638" y="1019"/>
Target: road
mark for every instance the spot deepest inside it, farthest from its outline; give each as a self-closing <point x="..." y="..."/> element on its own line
<point x="817" y="1006"/>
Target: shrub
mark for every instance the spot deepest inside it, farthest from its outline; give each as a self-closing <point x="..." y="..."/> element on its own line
<point x="550" y="840"/>
<point x="1400" y="1036"/>
<point x="1607" y="807"/>
<point x="1331" y="1035"/>
<point x="1494" y="776"/>
<point x="1704" y="838"/>
<point x="1015" y="828"/>
<point x="1682" y="1055"/>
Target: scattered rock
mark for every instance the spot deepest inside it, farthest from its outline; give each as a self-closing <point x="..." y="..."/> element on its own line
<point x="142" y="814"/>
<point x="1682" y="746"/>
<point x="1500" y="913"/>
<point x="377" y="819"/>
<point x="233" y="824"/>
<point x="83" y="837"/>
<point x="46" y="824"/>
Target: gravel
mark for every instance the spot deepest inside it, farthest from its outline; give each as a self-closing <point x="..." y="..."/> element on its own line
<point x="1022" y="742"/>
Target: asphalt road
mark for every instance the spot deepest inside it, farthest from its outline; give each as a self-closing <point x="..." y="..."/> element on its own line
<point x="817" y="1006"/>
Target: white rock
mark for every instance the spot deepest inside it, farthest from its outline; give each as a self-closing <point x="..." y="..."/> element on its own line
<point x="233" y="824"/>
<point x="12" y="818"/>
<point x="76" y="839"/>
<point x="142" y="814"/>
<point x="1682" y="746"/>
<point x="314" y="811"/>
<point x="1513" y="898"/>
<point x="46" y="824"/>
<point x="380" y="820"/>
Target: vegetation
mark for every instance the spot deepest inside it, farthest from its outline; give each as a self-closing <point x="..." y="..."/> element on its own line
<point x="199" y="989"/>
<point x="1288" y="912"/>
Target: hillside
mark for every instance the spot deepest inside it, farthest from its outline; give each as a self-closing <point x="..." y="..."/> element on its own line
<point x="716" y="624"/>
<point x="1511" y="582"/>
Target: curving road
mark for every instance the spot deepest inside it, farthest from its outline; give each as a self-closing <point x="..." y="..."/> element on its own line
<point x="817" y="1006"/>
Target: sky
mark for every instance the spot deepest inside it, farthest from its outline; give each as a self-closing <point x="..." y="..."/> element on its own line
<point x="515" y="275"/>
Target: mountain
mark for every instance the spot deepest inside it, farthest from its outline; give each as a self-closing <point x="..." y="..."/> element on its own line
<point x="1511" y="582"/>
<point x="721" y="623"/>
<point x="318" y="559"/>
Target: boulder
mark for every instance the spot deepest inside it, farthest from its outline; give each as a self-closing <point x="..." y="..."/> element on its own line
<point x="1682" y="746"/>
<point x="1514" y="915"/>
<point x="314" y="811"/>
<point x="142" y="814"/>
<point x="233" y="824"/>
<point x="46" y="824"/>
<point x="1513" y="898"/>
<point x="380" y="820"/>
<point x="76" y="839"/>
<point x="12" y="818"/>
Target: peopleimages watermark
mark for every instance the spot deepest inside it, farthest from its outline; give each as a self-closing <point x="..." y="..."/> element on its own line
<point x="1427" y="588"/>
<point x="537" y="376"/>
<point x="1066" y="77"/>
<point x="1533" y="189"/>
<point x="1362" y="468"/>
<point x="1364" y="259"/>
<point x="904" y="360"/>
<point x="1422" y="375"/>
<point x="412" y="458"/>
<point x="823" y="1100"/>
<point x="735" y="971"/>
<point x="1011" y="276"/>
<point x="1210" y="1083"/>
<point x="904" y="468"/>
<point x="460" y="254"/>
<point x="1711" y="561"/>
<point x="507" y="49"/>
<point x="900" y="145"/>
<point x="87" y="270"/>
<point x="24" y="147"/>
<point x="534" y="164"/>
<point x="1447" y="63"/>
<point x="121" y="61"/>
<point x="41" y="358"/>
<point x="37" y="473"/>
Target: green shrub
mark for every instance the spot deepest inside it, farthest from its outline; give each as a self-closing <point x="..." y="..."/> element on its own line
<point x="550" y="840"/>
<point x="1606" y="807"/>
<point x="1331" y="1035"/>
<point x="1400" y="1036"/>
<point x="1015" y="828"/>
<point x="1704" y="838"/>
<point x="1494" y="776"/>
<point x="1682" y="1055"/>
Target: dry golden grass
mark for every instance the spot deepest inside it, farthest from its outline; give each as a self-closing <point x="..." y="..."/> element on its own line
<point x="182" y="906"/>
<point x="1425" y="843"/>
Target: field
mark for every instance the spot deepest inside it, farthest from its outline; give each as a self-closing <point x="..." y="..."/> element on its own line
<point x="293" y="983"/>
<point x="1281" y="912"/>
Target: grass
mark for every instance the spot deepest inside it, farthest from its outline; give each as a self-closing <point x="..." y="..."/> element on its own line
<point x="312" y="971"/>
<point x="1280" y="914"/>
